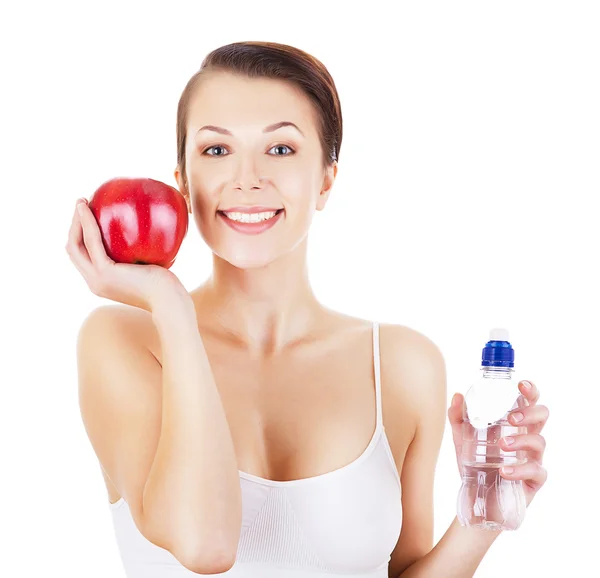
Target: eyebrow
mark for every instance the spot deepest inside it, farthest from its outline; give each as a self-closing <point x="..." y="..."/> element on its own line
<point x="270" y="128"/>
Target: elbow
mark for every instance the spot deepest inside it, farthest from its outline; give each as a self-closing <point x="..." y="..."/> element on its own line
<point x="212" y="553"/>
<point x="207" y="561"/>
<point x="208" y="552"/>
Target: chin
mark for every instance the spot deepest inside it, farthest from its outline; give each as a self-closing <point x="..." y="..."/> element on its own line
<point x="243" y="260"/>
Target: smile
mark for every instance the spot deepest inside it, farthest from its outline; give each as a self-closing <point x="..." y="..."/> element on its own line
<point x="251" y="223"/>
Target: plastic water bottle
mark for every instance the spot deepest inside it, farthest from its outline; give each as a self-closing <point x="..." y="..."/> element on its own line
<point x="486" y="500"/>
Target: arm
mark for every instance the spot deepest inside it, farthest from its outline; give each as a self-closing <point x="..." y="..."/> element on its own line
<point x="416" y="381"/>
<point x="193" y="488"/>
<point x="456" y="555"/>
<point x="160" y="434"/>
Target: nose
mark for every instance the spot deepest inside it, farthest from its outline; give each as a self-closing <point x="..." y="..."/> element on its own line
<point x="247" y="178"/>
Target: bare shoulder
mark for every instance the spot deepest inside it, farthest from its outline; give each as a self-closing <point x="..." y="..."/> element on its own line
<point x="413" y="373"/>
<point x="130" y="322"/>
<point x="408" y="353"/>
<point x="128" y="317"/>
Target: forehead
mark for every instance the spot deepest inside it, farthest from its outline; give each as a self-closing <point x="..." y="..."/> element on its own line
<point x="233" y="102"/>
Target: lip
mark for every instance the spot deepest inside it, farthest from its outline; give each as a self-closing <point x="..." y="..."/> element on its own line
<point x="250" y="210"/>
<point x="251" y="228"/>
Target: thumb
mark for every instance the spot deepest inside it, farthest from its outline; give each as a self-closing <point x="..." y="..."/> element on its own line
<point x="455" y="415"/>
<point x="455" y="411"/>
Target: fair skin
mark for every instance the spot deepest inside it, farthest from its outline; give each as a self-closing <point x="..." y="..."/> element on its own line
<point x="244" y="169"/>
<point x="291" y="371"/>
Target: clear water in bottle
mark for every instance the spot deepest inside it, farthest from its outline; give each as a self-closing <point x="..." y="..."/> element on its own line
<point x="486" y="500"/>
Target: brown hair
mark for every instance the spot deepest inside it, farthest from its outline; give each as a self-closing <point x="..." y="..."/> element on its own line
<point x="278" y="61"/>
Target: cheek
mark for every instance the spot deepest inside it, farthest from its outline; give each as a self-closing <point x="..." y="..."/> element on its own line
<point x="204" y="219"/>
<point x="203" y="210"/>
<point x="297" y="188"/>
<point x="197" y="203"/>
<point x="205" y="185"/>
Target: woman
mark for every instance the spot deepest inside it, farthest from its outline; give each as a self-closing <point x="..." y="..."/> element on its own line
<point x="239" y="426"/>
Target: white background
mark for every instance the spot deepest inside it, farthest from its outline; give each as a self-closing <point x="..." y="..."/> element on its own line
<point x="466" y="199"/>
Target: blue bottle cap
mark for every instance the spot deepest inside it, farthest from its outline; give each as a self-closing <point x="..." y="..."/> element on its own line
<point x="498" y="351"/>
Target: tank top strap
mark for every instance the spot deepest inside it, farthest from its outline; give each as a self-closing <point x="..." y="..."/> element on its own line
<point x="377" y="366"/>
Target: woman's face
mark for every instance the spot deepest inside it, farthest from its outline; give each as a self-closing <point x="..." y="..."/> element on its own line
<point x="278" y="168"/>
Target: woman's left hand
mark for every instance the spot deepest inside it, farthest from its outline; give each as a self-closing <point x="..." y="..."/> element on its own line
<point x="533" y="445"/>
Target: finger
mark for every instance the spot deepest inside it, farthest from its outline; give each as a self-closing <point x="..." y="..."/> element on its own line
<point x="534" y="444"/>
<point x="76" y="248"/>
<point x="455" y="411"/>
<point x="93" y="238"/>
<point x="531" y="393"/>
<point x="456" y="417"/>
<point x="75" y="234"/>
<point x="534" y="417"/>
<point x="532" y="474"/>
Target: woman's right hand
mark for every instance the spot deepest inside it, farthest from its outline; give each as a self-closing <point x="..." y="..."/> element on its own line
<point x="136" y="285"/>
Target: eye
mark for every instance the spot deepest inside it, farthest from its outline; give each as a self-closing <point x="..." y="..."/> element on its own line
<point x="214" y="147"/>
<point x="282" y="146"/>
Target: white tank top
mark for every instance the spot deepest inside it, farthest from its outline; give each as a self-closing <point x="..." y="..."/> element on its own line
<point x="345" y="522"/>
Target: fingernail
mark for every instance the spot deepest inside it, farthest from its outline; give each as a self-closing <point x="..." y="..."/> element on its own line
<point x="517" y="417"/>
<point x="508" y="470"/>
<point x="527" y="385"/>
<point x="509" y="440"/>
<point x="80" y="207"/>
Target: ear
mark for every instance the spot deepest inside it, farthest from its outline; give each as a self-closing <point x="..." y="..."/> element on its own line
<point x="329" y="179"/>
<point x="183" y="189"/>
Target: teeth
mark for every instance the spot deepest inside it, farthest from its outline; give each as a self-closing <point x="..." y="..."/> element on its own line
<point x="251" y="217"/>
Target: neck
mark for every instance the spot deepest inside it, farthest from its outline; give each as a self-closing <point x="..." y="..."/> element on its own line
<point x="264" y="309"/>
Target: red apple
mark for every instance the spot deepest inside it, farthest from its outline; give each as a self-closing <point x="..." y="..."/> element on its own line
<point x="142" y="221"/>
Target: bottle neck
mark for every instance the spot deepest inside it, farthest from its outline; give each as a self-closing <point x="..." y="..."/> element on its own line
<point x="497" y="372"/>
